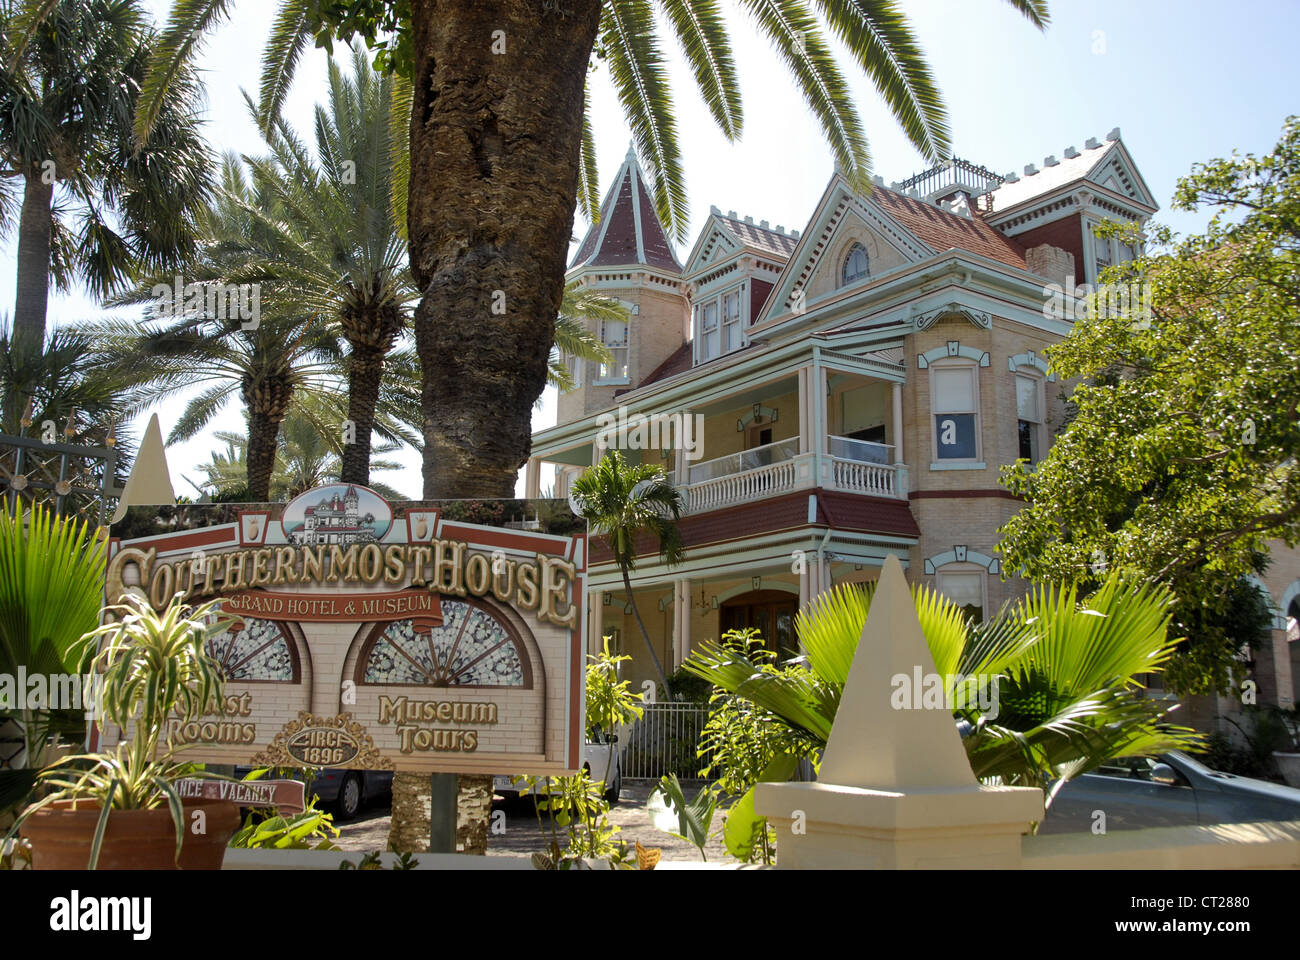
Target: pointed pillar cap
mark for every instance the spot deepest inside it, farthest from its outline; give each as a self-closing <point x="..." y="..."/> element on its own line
<point x="881" y="740"/>
<point x="150" y="482"/>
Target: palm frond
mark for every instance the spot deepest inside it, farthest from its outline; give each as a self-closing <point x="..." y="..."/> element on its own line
<point x="637" y="68"/>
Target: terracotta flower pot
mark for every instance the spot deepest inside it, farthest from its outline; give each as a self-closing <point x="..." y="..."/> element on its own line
<point x="134" y="840"/>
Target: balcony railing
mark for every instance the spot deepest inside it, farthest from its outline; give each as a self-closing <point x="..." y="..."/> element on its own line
<point x="853" y="466"/>
<point x="736" y="463"/>
<point x="861" y="451"/>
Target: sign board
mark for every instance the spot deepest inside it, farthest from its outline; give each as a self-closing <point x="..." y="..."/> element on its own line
<point x="430" y="636"/>
<point x="289" y="796"/>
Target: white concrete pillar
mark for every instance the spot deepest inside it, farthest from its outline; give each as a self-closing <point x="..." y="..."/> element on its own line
<point x="897" y="403"/>
<point x="805" y="411"/>
<point x="595" y="620"/>
<point x="533" y="479"/>
<point x="904" y="797"/>
<point x="681" y="621"/>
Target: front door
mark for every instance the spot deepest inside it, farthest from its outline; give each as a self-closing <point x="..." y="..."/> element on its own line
<point x="771" y="613"/>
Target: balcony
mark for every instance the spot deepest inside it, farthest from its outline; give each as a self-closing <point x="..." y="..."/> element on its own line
<point x="851" y="466"/>
<point x="748" y="476"/>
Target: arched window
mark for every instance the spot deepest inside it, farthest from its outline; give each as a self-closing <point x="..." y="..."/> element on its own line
<point x="856" y="265"/>
<point x="254" y="649"/>
<point x="471" y="647"/>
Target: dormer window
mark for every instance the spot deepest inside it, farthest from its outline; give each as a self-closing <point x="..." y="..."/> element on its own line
<point x="856" y="265"/>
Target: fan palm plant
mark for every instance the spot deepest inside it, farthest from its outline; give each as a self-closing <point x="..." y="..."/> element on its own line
<point x="51" y="579"/>
<point x="96" y="203"/>
<point x="490" y="262"/>
<point x="1068" y="669"/>
<point x="621" y="501"/>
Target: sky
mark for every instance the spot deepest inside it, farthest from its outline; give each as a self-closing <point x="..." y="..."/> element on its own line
<point x="1184" y="80"/>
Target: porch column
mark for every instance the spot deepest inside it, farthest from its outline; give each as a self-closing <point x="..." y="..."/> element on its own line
<point x="820" y="425"/>
<point x="533" y="479"/>
<point x="681" y="621"/>
<point x="805" y="411"/>
<point x="596" y="620"/>
<point x="897" y="396"/>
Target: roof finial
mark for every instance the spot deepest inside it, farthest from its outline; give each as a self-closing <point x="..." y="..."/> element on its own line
<point x="631" y="149"/>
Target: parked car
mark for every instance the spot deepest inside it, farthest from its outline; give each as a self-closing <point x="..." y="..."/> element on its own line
<point x="345" y="792"/>
<point x="596" y="758"/>
<point x="1169" y="790"/>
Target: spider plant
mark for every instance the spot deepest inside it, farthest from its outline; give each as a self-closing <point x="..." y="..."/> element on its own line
<point x="151" y="665"/>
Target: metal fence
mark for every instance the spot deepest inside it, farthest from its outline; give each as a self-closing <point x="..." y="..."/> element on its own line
<point x="664" y="741"/>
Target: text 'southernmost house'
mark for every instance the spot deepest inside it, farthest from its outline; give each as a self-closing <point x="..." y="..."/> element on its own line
<point x="847" y="391"/>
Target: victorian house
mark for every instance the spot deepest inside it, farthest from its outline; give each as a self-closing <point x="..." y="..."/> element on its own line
<point x="857" y="384"/>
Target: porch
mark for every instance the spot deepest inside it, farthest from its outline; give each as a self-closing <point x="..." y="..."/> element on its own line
<point x="835" y="423"/>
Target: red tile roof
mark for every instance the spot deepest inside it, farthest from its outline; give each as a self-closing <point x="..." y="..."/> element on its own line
<point x="941" y="230"/>
<point x="779" y="245"/>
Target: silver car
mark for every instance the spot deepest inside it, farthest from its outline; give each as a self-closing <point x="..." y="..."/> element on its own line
<point x="1165" y="791"/>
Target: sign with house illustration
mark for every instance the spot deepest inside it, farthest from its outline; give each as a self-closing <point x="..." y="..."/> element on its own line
<point x="424" y="636"/>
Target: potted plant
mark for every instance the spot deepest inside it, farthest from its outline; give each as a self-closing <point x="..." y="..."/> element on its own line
<point x="119" y="808"/>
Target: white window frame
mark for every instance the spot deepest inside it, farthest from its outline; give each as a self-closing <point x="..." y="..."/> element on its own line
<point x="1040" y="398"/>
<point x="574" y="365"/>
<point x="736" y="327"/>
<point x="610" y="372"/>
<point x="705" y="332"/>
<point x="964" y="569"/>
<point x="845" y="280"/>
<point x="956" y="364"/>
<point x="1100" y="244"/>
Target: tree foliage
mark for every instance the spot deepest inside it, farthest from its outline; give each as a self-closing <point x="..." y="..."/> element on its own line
<point x="1179" y="460"/>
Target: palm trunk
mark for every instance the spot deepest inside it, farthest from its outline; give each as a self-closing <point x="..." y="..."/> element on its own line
<point x="267" y="404"/>
<point x="365" y="368"/>
<point x="33" y="281"/>
<point x="496" y="123"/>
<point x="645" y="634"/>
<point x="495" y="131"/>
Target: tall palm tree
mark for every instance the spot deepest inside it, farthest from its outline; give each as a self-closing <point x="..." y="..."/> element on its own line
<point x="501" y="152"/>
<point x="622" y="501"/>
<point x="96" y="204"/>
<point x="1069" y="696"/>
<point x="332" y="233"/>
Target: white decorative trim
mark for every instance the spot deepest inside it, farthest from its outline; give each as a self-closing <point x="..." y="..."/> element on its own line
<point x="1289" y="594"/>
<point x="952" y="348"/>
<point x="929" y="318"/>
<point x="962" y="554"/>
<point x="962" y="465"/>
<point x="1030" y="359"/>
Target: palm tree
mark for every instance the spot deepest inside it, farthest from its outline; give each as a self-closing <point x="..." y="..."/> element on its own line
<point x="331" y="232"/>
<point x="494" y="176"/>
<point x="621" y="501"/>
<point x="96" y="203"/>
<point x="1069" y="697"/>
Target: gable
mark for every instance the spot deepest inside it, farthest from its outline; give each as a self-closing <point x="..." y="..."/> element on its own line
<point x="853" y="230"/>
<point x="840" y="216"/>
<point x="1117" y="173"/>
<point x="716" y="243"/>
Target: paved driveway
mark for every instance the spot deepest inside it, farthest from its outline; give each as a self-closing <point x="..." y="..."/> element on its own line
<point x="523" y="835"/>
